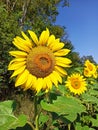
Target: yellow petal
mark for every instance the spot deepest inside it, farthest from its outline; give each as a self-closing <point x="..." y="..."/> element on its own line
<point x="54" y="43"/>
<point x="57" y="45"/>
<point x="39" y="84"/>
<point x="62" y="52"/>
<point x="22" y="78"/>
<point x="48" y="83"/>
<point x="60" y="70"/>
<point x="25" y="36"/>
<point x="57" y="76"/>
<point x="16" y="60"/>
<point x="16" y="65"/>
<point x="44" y="83"/>
<point x="18" y="53"/>
<point x="27" y="41"/>
<point x="18" y="71"/>
<point x="33" y="36"/>
<point x="64" y="62"/>
<point x="34" y="81"/>
<point x="51" y="40"/>
<point x="53" y="79"/>
<point x="20" y="45"/>
<point x="44" y="37"/>
<point x="29" y="82"/>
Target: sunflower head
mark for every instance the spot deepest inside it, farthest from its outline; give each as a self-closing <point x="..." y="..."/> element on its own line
<point x="90" y="69"/>
<point x="39" y="62"/>
<point x="87" y="73"/>
<point x="76" y="84"/>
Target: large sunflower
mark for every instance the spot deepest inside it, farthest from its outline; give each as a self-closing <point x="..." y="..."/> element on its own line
<point x="76" y="83"/>
<point x="38" y="63"/>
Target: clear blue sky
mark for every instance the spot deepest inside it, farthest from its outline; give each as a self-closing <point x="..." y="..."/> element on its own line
<point x="81" y="21"/>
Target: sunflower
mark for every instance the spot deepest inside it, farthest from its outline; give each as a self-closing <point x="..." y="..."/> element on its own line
<point x="76" y="84"/>
<point x="90" y="69"/>
<point x="39" y="63"/>
<point x="87" y="73"/>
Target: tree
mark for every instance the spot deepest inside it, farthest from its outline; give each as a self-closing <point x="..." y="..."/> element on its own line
<point x="90" y="58"/>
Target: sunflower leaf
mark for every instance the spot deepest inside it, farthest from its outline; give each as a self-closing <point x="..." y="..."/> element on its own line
<point x="43" y="118"/>
<point x="68" y="107"/>
<point x="90" y="98"/>
<point x="7" y="118"/>
<point x="79" y="127"/>
<point x="95" y="121"/>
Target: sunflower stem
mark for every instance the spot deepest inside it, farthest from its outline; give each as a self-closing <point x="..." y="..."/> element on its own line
<point x="35" y="106"/>
<point x="37" y="122"/>
<point x="69" y="126"/>
<point x="31" y="125"/>
<point x="36" y="115"/>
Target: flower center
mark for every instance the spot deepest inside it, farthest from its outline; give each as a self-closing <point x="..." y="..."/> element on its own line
<point x="40" y="61"/>
<point x="75" y="84"/>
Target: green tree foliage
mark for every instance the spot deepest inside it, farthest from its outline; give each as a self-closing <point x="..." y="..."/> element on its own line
<point x="75" y="59"/>
<point x="84" y="58"/>
<point x="74" y="56"/>
<point x="8" y="29"/>
<point x="35" y="13"/>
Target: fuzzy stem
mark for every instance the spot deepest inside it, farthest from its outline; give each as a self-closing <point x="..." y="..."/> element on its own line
<point x="35" y="107"/>
<point x="69" y="126"/>
<point x="36" y="116"/>
<point x="31" y="125"/>
<point x="37" y="123"/>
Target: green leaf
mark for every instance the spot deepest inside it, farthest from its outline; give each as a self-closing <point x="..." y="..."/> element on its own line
<point x="93" y="92"/>
<point x="89" y="98"/>
<point x="94" y="85"/>
<point x="95" y="121"/>
<point x="79" y="127"/>
<point x="67" y="107"/>
<point x="7" y="118"/>
<point x="6" y="107"/>
<point x="56" y="128"/>
<point x="43" y="118"/>
<point x="62" y="89"/>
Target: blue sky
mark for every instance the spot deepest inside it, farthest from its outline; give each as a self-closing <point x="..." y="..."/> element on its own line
<point x="81" y="22"/>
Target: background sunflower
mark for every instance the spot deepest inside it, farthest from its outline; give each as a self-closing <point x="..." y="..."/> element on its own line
<point x="76" y="84"/>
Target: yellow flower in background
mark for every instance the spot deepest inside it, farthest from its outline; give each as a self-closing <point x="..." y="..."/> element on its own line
<point x="76" y="84"/>
<point x="95" y="75"/>
<point x="87" y="73"/>
<point x="39" y="63"/>
<point x="90" y="69"/>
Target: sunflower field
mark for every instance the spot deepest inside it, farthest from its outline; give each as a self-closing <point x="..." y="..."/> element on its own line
<point x="44" y="84"/>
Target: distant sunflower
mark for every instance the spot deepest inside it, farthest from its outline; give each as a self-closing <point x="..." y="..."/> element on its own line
<point x="87" y="73"/>
<point x="76" y="84"/>
<point x="90" y="69"/>
<point x="39" y="63"/>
